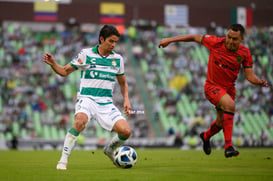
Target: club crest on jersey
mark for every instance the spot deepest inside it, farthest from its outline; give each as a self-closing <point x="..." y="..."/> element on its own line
<point x="80" y="61"/>
<point x="114" y="63"/>
<point x="239" y="59"/>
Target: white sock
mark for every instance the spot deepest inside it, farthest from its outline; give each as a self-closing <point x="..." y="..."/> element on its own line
<point x="69" y="144"/>
<point x="116" y="142"/>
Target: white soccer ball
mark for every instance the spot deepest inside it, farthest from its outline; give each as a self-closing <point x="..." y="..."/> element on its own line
<point x="125" y="157"/>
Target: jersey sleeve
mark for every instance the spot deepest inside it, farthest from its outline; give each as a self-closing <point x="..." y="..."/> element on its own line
<point x="79" y="61"/>
<point x="121" y="68"/>
<point x="209" y="41"/>
<point x="248" y="62"/>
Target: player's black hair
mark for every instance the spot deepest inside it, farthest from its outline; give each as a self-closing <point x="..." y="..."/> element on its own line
<point x="108" y="30"/>
<point x="237" y="27"/>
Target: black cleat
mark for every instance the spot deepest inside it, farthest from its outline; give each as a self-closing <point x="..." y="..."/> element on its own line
<point x="206" y="144"/>
<point x="230" y="152"/>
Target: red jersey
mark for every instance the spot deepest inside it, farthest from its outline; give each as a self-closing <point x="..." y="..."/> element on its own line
<point x="224" y="65"/>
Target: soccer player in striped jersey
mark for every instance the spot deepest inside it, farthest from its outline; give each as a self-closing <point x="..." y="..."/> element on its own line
<point x="226" y="57"/>
<point x="99" y="67"/>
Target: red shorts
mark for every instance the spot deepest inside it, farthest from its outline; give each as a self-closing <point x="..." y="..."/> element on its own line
<point x="214" y="93"/>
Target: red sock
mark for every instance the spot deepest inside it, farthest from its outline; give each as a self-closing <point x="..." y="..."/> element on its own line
<point x="227" y="128"/>
<point x="213" y="129"/>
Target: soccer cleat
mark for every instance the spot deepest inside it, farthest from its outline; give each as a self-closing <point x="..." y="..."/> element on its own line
<point x="61" y="166"/>
<point x="108" y="151"/>
<point x="206" y="144"/>
<point x="230" y="152"/>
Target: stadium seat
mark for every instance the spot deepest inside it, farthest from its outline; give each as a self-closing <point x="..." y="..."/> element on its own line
<point x="2" y="136"/>
<point x="15" y="128"/>
<point x="46" y="132"/>
<point x="61" y="134"/>
<point x="144" y="66"/>
<point x="180" y="109"/>
<point x="8" y="136"/>
<point x="1" y="104"/>
<point x="54" y="133"/>
<point x="37" y="120"/>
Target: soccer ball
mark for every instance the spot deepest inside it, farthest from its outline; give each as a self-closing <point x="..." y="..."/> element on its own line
<point x="125" y="157"/>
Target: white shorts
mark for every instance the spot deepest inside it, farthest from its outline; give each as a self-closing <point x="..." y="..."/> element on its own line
<point x="106" y="115"/>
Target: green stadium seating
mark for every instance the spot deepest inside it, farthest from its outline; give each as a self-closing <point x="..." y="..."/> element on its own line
<point x="46" y="132"/>
<point x="54" y="133"/>
<point x="144" y="66"/>
<point x="23" y="133"/>
<point x="15" y="128"/>
<point x="37" y="120"/>
<point x="2" y="136"/>
<point x="8" y="136"/>
<point x="61" y="134"/>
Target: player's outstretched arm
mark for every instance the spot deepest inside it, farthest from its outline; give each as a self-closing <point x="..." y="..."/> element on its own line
<point x="251" y="77"/>
<point x="185" y="38"/>
<point x="124" y="91"/>
<point x="61" y="70"/>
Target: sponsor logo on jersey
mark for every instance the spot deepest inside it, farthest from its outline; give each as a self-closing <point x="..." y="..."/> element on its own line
<point x="93" y="74"/>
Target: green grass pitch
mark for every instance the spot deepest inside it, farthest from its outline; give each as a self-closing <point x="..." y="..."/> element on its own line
<point x="152" y="164"/>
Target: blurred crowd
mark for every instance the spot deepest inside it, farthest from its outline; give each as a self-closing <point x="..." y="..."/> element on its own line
<point x="29" y="88"/>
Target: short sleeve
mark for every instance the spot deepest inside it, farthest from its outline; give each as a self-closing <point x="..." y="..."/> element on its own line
<point x="121" y="69"/>
<point x="209" y="41"/>
<point x="248" y="61"/>
<point x="79" y="61"/>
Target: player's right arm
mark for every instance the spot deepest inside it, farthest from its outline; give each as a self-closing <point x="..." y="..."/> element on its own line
<point x="184" y="38"/>
<point x="61" y="70"/>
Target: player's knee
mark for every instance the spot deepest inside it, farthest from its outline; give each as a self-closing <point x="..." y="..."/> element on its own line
<point x="80" y="122"/>
<point x="126" y="132"/>
<point x="230" y="107"/>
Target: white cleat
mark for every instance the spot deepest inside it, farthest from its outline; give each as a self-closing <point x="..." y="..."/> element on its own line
<point x="108" y="151"/>
<point x="61" y="166"/>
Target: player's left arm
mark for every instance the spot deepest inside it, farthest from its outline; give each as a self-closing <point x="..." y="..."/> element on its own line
<point x="182" y="38"/>
<point x="124" y="91"/>
<point x="251" y="77"/>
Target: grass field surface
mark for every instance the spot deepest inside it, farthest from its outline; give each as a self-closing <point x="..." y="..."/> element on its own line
<point x="152" y="164"/>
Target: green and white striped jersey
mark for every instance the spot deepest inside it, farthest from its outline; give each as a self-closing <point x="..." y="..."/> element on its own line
<point x="98" y="74"/>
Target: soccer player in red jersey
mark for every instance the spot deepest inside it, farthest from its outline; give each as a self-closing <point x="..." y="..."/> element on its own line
<point x="225" y="59"/>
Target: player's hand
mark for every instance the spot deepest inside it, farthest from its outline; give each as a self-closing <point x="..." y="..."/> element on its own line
<point x="49" y="59"/>
<point x="127" y="108"/>
<point x="163" y="43"/>
<point x="263" y="83"/>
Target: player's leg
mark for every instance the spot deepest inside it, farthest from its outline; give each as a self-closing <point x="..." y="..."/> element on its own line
<point x="227" y="104"/>
<point x="110" y="118"/>
<point x="70" y="139"/>
<point x="123" y="130"/>
<point x="82" y="116"/>
<point x="214" y="128"/>
<point x="213" y="94"/>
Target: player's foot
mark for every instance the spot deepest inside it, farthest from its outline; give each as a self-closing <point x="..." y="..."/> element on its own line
<point x="108" y="151"/>
<point x="206" y="144"/>
<point x="61" y="166"/>
<point x="230" y="152"/>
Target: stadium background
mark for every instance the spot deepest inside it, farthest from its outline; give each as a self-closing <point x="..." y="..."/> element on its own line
<point x="166" y="87"/>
